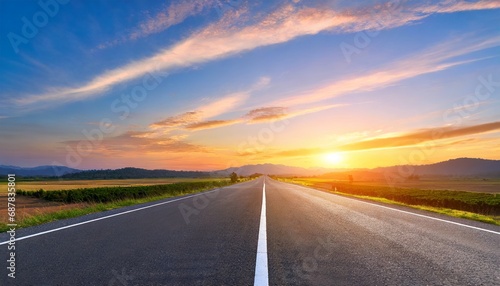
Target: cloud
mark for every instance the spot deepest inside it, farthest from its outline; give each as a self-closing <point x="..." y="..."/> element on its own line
<point x="431" y="60"/>
<point x="145" y="142"/>
<point x="457" y="6"/>
<point x="193" y="120"/>
<point x="421" y="136"/>
<point x="177" y="120"/>
<point x="258" y="115"/>
<point x="223" y="105"/>
<point x="211" y="124"/>
<point x="266" y="114"/>
<point x="296" y="152"/>
<point x="169" y="16"/>
<point x="226" y="37"/>
<point x="436" y="135"/>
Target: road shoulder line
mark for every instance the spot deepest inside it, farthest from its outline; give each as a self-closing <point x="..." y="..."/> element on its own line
<point x="406" y="212"/>
<point x="109" y="216"/>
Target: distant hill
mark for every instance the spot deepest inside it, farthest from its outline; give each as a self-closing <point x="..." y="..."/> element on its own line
<point x="272" y="169"/>
<point x="40" y="171"/>
<point x="456" y="167"/>
<point x="133" y="173"/>
<point x="461" y="167"/>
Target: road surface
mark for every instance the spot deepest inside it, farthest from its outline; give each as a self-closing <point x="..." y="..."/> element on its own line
<point x="230" y="236"/>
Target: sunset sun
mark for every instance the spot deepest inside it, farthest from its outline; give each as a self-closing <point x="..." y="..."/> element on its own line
<point x="333" y="158"/>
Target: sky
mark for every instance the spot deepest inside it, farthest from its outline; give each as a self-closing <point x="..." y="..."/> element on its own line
<point x="211" y="84"/>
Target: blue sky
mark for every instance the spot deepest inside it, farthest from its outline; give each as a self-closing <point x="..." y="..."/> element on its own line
<point x="216" y="83"/>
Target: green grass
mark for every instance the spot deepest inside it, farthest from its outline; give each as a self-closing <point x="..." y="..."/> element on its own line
<point x="475" y="206"/>
<point x="55" y="185"/>
<point x="114" y="204"/>
<point x="110" y="194"/>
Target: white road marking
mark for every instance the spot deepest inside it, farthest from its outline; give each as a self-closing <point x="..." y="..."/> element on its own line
<point x="415" y="214"/>
<point x="434" y="218"/>
<point x="109" y="216"/>
<point x="261" y="267"/>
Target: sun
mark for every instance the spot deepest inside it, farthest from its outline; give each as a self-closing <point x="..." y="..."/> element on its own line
<point x="333" y="158"/>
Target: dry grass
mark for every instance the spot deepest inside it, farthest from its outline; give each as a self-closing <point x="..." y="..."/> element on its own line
<point x="466" y="185"/>
<point x="34" y="211"/>
<point x="52" y="185"/>
<point x="326" y="184"/>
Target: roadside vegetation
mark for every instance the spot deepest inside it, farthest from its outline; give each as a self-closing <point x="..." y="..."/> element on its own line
<point x="483" y="207"/>
<point x="66" y="184"/>
<point x="85" y="201"/>
<point x="110" y="194"/>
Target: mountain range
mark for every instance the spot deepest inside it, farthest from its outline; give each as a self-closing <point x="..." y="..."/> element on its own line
<point x="454" y="167"/>
<point x="464" y="167"/>
<point x="40" y="171"/>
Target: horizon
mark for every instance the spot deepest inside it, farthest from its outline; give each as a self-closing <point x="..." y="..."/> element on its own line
<point x="187" y="85"/>
<point x="237" y="167"/>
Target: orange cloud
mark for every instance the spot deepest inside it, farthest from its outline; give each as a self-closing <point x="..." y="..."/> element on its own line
<point x="259" y="115"/>
<point x="178" y="120"/>
<point x="421" y="137"/>
<point x="404" y="140"/>
<point x="145" y="142"/>
<point x="215" y="108"/>
<point x="266" y="114"/>
<point x="211" y="124"/>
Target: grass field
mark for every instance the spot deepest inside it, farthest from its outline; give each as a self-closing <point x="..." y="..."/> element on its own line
<point x="51" y="185"/>
<point x="37" y="207"/>
<point x="442" y="198"/>
<point x="466" y="185"/>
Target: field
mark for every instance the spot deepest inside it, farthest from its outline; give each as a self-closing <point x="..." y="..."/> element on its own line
<point x="474" y="199"/>
<point x="466" y="185"/>
<point x="51" y="185"/>
<point x="64" y="199"/>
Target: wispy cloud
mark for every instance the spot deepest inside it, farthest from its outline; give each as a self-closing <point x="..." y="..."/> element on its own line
<point x="143" y="142"/>
<point x="437" y="135"/>
<point x="225" y="104"/>
<point x="196" y="119"/>
<point x="432" y="60"/>
<point x="266" y="114"/>
<point x="211" y="124"/>
<point x="227" y="37"/>
<point x="170" y="15"/>
<point x="178" y="120"/>
<point x="456" y="6"/>
<point x="421" y="136"/>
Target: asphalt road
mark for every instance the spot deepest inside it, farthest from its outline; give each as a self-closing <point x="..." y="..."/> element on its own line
<point x="313" y="238"/>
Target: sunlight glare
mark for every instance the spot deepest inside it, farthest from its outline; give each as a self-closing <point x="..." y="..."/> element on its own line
<point x="334" y="158"/>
